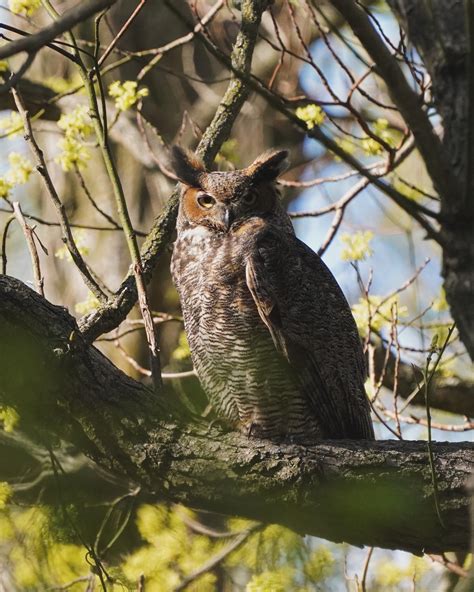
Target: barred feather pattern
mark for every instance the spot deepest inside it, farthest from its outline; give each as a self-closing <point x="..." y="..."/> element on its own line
<point x="248" y="381"/>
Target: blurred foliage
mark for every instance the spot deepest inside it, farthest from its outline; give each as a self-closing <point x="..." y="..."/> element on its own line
<point x="77" y="126"/>
<point x="126" y="94"/>
<point x="381" y="129"/>
<point x="41" y="549"/>
<point x="312" y="115"/>
<point x="9" y="418"/>
<point x="87" y="305"/>
<point x="24" y="7"/>
<point x="182" y="352"/>
<point x="11" y="125"/>
<point x="81" y="240"/>
<point x="357" y="245"/>
<point x="229" y="153"/>
<point x="376" y="313"/>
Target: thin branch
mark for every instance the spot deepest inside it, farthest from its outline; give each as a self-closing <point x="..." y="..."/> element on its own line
<point x="365" y="571"/>
<point x="239" y="540"/>
<point x="449" y="565"/>
<point x="74" y="225"/>
<point x="66" y="232"/>
<point x="52" y="46"/>
<point x="15" y="78"/>
<point x="112" y="314"/>
<point x="30" y="241"/>
<point x="4" y="243"/>
<point x="122" y="31"/>
<point x="406" y="99"/>
<point x="428" y="376"/>
<point x="32" y="43"/>
<point x="160" y="52"/>
<point x="82" y="183"/>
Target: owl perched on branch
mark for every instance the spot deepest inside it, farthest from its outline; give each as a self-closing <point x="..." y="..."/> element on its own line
<point x="271" y="335"/>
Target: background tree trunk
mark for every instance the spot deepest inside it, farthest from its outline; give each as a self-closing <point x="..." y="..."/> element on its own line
<point x="443" y="31"/>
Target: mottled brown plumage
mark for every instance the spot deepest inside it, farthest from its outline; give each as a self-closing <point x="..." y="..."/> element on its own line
<point x="271" y="334"/>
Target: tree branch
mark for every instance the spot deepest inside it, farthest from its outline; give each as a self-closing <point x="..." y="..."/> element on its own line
<point x="447" y="393"/>
<point x="116" y="309"/>
<point x="364" y="493"/>
<point x="406" y="99"/>
<point x="68" y="20"/>
<point x="415" y="210"/>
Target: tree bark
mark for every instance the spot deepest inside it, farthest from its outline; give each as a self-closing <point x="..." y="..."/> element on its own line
<point x="443" y="32"/>
<point x="364" y="493"/>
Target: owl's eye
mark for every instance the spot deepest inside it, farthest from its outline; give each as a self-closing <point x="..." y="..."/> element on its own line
<point x="206" y="201"/>
<point x="249" y="198"/>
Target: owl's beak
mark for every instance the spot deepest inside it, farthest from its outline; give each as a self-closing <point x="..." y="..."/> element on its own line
<point x="226" y="217"/>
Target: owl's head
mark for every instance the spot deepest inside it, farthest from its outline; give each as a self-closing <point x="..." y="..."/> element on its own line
<point x="220" y="200"/>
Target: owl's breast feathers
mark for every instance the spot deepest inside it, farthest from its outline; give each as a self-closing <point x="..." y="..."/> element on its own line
<point x="270" y="331"/>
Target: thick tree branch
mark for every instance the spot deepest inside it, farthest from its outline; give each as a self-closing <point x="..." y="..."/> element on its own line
<point x="361" y="492"/>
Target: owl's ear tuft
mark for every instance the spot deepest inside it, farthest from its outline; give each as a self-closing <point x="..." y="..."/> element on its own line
<point x="187" y="166"/>
<point x="268" y="166"/>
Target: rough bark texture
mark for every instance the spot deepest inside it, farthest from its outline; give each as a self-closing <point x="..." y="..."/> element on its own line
<point x="363" y="493"/>
<point x="442" y="31"/>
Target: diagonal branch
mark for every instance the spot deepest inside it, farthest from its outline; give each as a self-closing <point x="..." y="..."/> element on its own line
<point x="417" y="211"/>
<point x="68" y="20"/>
<point x="406" y="99"/>
<point x="450" y="394"/>
<point x="116" y="309"/>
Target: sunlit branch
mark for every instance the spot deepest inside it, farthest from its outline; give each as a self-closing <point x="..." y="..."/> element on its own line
<point x="68" y="20"/>
<point x="111" y="315"/>
<point x="67" y="236"/>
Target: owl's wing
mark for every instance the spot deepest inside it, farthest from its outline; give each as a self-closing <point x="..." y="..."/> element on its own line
<point x="311" y="324"/>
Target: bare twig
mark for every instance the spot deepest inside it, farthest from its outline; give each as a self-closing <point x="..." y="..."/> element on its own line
<point x="30" y="241"/>
<point x="218" y="558"/>
<point x="122" y="31"/>
<point x="4" y="243"/>
<point x="66" y="232"/>
<point x="15" y="78"/>
<point x="74" y="225"/>
<point x="428" y="376"/>
<point x="403" y="95"/>
<point x="340" y="209"/>
<point x="82" y="183"/>
<point x="450" y="565"/>
<point x="81" y="12"/>
<point x="181" y="40"/>
<point x="365" y="571"/>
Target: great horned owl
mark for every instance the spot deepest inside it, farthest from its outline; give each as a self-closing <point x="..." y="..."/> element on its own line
<point x="272" y="337"/>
